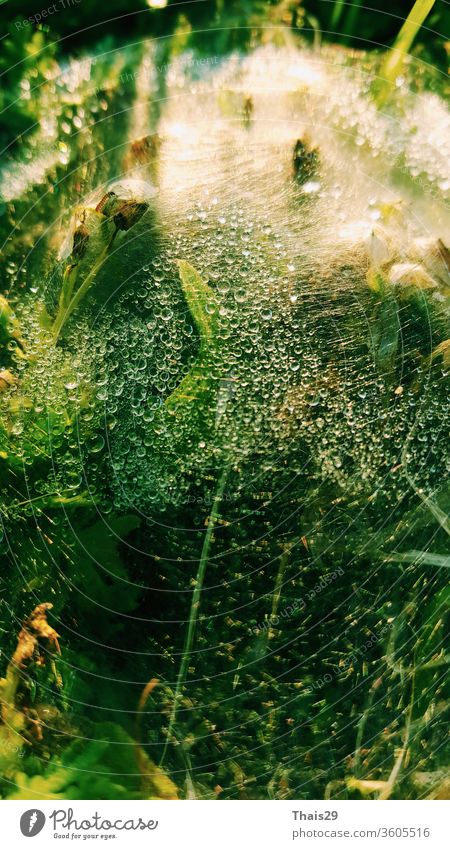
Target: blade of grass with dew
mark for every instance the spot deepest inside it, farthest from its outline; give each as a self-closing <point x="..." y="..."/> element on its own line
<point x="263" y="639"/>
<point x="387" y="790"/>
<point x="197" y="382"/>
<point x="434" y="508"/>
<point x="195" y="603"/>
<point x="418" y="557"/>
<point x="392" y="65"/>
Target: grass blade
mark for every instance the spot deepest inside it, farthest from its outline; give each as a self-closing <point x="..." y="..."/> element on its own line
<point x="195" y="604"/>
<point x="393" y="64"/>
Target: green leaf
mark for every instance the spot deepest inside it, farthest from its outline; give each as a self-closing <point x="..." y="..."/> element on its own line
<point x="204" y="310"/>
<point x="198" y="296"/>
<point x="386" y="335"/>
<point x="110" y="765"/>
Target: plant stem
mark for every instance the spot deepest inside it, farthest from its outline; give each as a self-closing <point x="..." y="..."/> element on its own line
<point x="64" y="312"/>
<point x="338" y="8"/>
<point x="284" y="558"/>
<point x="352" y="15"/>
<point x="392" y="65"/>
<point x="195" y="603"/>
<point x="395" y="772"/>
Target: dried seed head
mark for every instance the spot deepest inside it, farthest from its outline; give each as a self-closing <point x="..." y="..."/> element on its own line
<point x="107" y="203"/>
<point x="248" y="109"/>
<point x="129" y="213"/>
<point x="305" y="160"/>
<point x="80" y="241"/>
<point x="125" y="213"/>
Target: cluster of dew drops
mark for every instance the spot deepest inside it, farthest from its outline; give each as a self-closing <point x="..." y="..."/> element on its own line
<point x="296" y="387"/>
